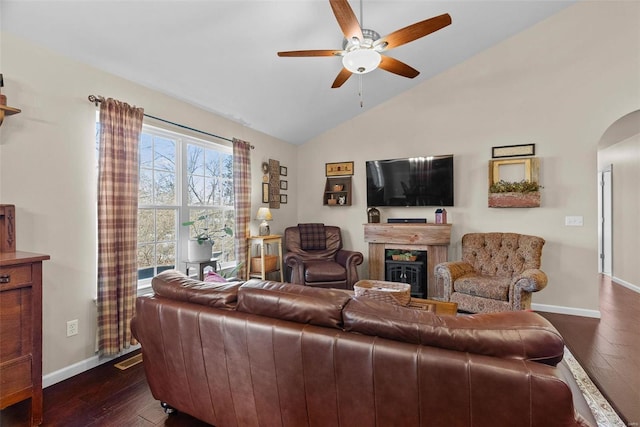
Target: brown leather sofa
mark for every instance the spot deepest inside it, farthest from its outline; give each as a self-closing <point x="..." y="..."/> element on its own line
<point x="276" y="354"/>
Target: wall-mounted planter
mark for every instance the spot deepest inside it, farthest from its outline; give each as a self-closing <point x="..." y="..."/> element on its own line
<point x="514" y="200"/>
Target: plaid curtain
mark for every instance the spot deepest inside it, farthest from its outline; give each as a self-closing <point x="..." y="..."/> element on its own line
<point x="242" y="197"/>
<point x="120" y="127"/>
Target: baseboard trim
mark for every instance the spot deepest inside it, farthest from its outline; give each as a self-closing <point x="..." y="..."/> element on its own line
<point x="566" y="310"/>
<point x="625" y="284"/>
<point x="80" y="367"/>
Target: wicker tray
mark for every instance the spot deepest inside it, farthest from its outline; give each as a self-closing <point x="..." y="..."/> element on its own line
<point x="390" y="292"/>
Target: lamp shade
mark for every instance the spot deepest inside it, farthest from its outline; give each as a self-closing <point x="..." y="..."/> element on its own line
<point x="264" y="214"/>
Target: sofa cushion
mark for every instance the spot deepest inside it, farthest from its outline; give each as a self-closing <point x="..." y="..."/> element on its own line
<point x="297" y="303"/>
<point x="513" y="335"/>
<point x="175" y="285"/>
<point x="324" y="271"/>
<point x="492" y="287"/>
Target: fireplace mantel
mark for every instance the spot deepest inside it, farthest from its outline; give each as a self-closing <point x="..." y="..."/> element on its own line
<point x="432" y="238"/>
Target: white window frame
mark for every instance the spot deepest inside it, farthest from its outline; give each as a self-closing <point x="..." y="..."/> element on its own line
<point x="183" y="140"/>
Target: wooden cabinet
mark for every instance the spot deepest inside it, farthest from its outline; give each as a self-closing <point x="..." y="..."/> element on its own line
<point x="21" y="330"/>
<point x="337" y="191"/>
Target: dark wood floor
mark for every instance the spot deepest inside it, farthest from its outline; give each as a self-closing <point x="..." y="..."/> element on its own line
<point x="608" y="349"/>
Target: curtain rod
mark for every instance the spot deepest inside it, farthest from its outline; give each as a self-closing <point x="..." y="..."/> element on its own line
<point x="98" y="99"/>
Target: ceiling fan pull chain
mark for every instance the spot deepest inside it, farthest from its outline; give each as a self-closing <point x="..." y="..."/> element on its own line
<point x="360" y="90"/>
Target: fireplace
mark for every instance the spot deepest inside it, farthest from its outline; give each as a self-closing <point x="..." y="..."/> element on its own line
<point x="410" y="271"/>
<point x="433" y="239"/>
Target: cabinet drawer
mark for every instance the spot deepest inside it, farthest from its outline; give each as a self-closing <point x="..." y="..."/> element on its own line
<point x="14" y="276"/>
<point x="15" y="380"/>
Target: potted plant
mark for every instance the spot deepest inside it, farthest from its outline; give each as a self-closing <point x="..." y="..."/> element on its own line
<point x="521" y="194"/>
<point x="201" y="243"/>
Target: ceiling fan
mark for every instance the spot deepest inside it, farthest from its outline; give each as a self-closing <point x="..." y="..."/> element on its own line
<point x="362" y="48"/>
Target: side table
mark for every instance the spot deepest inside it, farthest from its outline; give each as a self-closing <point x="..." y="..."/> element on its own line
<point x="260" y="271"/>
<point x="201" y="265"/>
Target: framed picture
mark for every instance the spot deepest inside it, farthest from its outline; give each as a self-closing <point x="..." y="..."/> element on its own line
<point x="284" y="185"/>
<point x="265" y="192"/>
<point x="338" y="169"/>
<point x="513" y="151"/>
<point x="514" y="170"/>
<point x="283" y="198"/>
<point x="283" y="170"/>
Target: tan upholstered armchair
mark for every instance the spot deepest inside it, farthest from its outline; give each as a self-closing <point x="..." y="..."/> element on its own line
<point x="498" y="272"/>
<point x="314" y="257"/>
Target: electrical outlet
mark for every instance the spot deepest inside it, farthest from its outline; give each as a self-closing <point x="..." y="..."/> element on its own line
<point x="72" y="327"/>
<point x="573" y="221"/>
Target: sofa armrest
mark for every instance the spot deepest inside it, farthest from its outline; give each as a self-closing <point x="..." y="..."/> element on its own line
<point x="532" y="280"/>
<point x="346" y="258"/>
<point x="350" y="260"/>
<point x="448" y="272"/>
<point x="296" y="264"/>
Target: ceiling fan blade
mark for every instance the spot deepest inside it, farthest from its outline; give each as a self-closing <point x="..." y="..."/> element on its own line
<point x="346" y="19"/>
<point x="312" y="53"/>
<point x="413" y="32"/>
<point x="397" y="67"/>
<point x="343" y="75"/>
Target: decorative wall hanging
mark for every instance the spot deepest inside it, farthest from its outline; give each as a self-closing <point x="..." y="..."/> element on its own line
<point x="339" y="169"/>
<point x="265" y="192"/>
<point x="514" y="183"/>
<point x="283" y="170"/>
<point x="274" y="184"/>
<point x="513" y="151"/>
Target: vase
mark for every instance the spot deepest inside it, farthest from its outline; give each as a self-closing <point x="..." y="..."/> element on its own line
<point x="514" y="200"/>
<point x="199" y="250"/>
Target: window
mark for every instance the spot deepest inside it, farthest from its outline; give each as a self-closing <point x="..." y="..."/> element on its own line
<point x="182" y="178"/>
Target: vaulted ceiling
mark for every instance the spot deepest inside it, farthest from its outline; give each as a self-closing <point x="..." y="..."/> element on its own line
<point x="221" y="55"/>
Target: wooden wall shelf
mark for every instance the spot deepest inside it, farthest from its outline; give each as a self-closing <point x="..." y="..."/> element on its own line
<point x="332" y="195"/>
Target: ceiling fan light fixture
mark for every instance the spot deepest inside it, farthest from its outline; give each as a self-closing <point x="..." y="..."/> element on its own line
<point x="361" y="61"/>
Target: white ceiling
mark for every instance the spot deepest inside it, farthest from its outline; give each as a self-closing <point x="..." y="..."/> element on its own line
<point x="221" y="55"/>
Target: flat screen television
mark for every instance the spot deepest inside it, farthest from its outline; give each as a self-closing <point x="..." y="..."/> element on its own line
<point x="415" y="181"/>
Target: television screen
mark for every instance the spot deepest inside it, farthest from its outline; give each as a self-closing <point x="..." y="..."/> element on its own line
<point x="415" y="181"/>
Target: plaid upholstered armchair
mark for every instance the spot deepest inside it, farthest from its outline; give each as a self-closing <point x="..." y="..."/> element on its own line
<point x="498" y="272"/>
<point x="314" y="257"/>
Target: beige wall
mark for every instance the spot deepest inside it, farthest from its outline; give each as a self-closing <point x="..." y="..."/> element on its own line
<point x="624" y="157"/>
<point x="559" y="85"/>
<point x="48" y="171"/>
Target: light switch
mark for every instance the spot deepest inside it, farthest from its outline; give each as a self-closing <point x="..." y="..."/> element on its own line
<point x="574" y="221"/>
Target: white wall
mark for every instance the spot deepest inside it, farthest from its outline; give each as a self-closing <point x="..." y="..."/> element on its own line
<point x="47" y="169"/>
<point x="559" y="85"/>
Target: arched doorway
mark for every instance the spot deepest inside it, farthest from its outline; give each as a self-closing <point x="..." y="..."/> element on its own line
<point x="619" y="198"/>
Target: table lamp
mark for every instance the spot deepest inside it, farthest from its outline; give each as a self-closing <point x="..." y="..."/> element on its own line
<point x="264" y="214"/>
